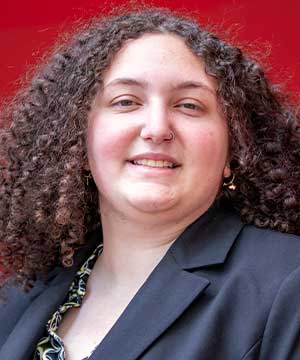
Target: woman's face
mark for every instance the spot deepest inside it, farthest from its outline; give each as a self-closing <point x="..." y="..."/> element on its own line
<point x="157" y="141"/>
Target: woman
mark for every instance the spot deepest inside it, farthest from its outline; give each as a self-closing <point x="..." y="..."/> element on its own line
<point x="170" y="136"/>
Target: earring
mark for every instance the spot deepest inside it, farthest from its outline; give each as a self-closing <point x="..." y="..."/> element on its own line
<point x="229" y="182"/>
<point x="87" y="178"/>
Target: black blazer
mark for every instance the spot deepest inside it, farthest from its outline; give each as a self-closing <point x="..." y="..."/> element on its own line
<point x="223" y="291"/>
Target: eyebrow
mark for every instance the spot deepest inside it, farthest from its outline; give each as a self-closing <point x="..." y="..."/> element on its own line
<point x="143" y="84"/>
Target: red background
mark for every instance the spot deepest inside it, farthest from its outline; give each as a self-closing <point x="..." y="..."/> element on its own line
<point x="29" y="28"/>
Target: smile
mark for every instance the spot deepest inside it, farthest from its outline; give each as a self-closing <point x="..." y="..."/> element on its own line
<point x="154" y="163"/>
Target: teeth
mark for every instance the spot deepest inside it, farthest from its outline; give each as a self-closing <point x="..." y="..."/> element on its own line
<point x="154" y="163"/>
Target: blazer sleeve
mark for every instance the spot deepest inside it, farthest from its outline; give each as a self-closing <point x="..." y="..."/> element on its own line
<point x="281" y="339"/>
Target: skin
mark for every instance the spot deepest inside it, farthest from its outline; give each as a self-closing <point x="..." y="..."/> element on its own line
<point x="144" y="209"/>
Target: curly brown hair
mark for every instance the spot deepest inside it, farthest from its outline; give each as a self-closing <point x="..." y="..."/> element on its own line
<point x="47" y="207"/>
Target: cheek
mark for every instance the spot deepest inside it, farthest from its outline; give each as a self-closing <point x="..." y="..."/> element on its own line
<point x="210" y="153"/>
<point x="106" y="141"/>
<point x="209" y="143"/>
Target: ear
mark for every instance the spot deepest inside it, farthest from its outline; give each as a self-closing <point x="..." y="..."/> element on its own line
<point x="227" y="171"/>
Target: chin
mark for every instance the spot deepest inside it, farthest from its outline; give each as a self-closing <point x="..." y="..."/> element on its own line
<point x="151" y="207"/>
<point x="152" y="202"/>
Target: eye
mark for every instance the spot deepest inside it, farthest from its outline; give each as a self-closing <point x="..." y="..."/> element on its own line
<point x="124" y="102"/>
<point x="190" y="107"/>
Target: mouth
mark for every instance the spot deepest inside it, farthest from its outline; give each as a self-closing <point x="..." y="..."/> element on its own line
<point x="155" y="163"/>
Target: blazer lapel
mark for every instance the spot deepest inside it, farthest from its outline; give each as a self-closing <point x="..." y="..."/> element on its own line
<point x="167" y="292"/>
<point x="171" y="287"/>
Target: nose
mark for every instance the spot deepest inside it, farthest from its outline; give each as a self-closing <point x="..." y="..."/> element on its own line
<point x="157" y="126"/>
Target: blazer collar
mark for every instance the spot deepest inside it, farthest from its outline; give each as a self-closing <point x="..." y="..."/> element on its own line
<point x="205" y="242"/>
<point x="208" y="240"/>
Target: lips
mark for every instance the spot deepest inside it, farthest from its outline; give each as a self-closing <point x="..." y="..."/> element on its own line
<point x="157" y="160"/>
<point x="154" y="163"/>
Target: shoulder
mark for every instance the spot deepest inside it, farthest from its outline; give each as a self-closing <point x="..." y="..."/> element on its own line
<point x="254" y="232"/>
<point x="43" y="296"/>
<point x="12" y="307"/>
<point x="265" y="258"/>
<point x="263" y="268"/>
<point x="268" y="249"/>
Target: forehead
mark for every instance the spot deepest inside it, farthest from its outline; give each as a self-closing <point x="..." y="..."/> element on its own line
<point x="158" y="58"/>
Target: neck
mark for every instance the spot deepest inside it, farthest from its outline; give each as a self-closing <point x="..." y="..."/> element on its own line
<point x="131" y="249"/>
<point x="133" y="246"/>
